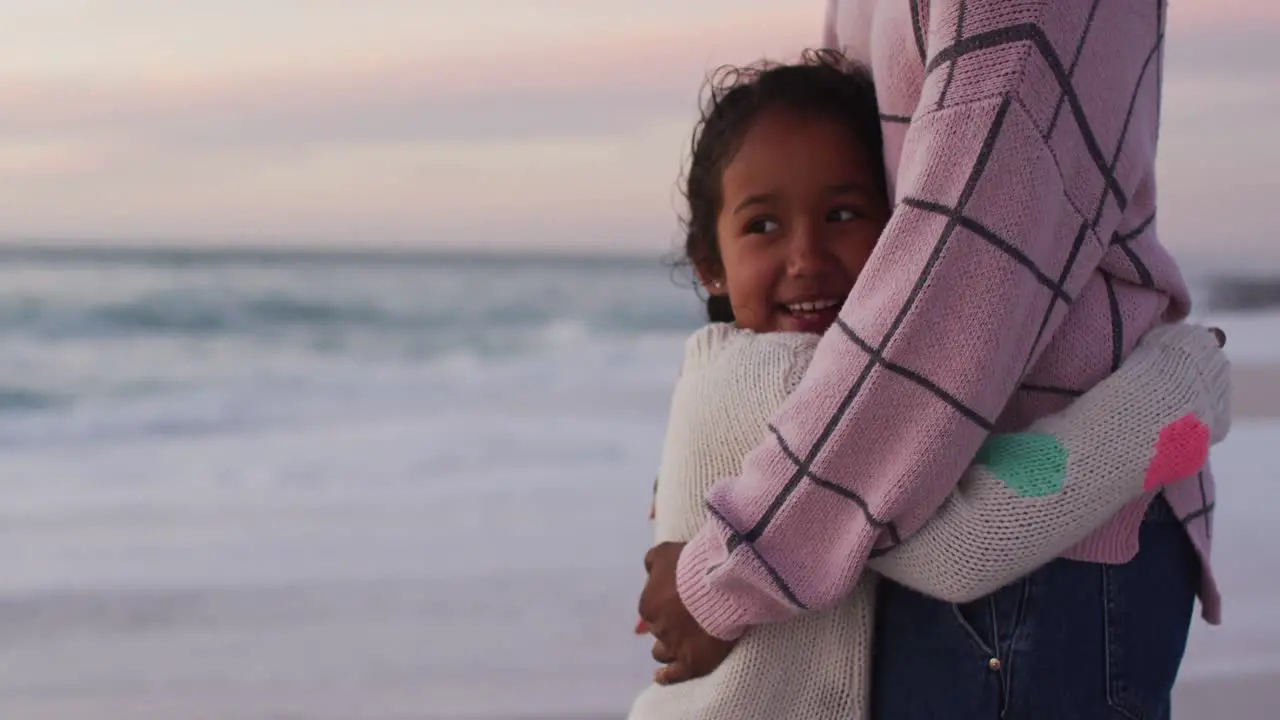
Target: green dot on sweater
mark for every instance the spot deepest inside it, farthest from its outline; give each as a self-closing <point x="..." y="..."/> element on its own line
<point x="1030" y="464"/>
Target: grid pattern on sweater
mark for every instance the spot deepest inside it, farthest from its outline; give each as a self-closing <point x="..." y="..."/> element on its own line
<point x="1122" y="263"/>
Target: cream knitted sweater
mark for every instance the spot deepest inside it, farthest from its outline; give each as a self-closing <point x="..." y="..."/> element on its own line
<point x="1031" y="496"/>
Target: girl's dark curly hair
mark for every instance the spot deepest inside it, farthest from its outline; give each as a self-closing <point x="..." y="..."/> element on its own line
<point x="822" y="83"/>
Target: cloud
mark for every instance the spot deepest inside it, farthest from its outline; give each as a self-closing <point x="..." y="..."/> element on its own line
<point x="541" y="137"/>
<point x="505" y="127"/>
<point x="378" y="109"/>
<point x="608" y="83"/>
<point x="154" y="38"/>
<point x="601" y="84"/>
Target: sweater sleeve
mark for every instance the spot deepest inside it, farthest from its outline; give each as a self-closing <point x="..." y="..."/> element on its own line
<point x="991" y="219"/>
<point x="1032" y="495"/>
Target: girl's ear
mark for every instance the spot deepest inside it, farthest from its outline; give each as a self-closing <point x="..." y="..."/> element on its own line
<point x="712" y="280"/>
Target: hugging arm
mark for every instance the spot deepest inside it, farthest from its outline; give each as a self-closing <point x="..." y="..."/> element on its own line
<point x="1032" y="495"/>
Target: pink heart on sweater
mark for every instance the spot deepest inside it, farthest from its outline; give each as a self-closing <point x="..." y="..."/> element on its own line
<point x="1182" y="450"/>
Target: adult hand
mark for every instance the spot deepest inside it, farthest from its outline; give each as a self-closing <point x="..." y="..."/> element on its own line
<point x="685" y="649"/>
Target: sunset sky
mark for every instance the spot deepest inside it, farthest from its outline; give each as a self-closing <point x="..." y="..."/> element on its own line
<point x="484" y="124"/>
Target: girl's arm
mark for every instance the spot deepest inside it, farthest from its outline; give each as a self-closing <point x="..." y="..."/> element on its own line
<point x="936" y="335"/>
<point x="1032" y="495"/>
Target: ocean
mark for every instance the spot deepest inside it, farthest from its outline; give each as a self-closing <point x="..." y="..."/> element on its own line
<point x="282" y="485"/>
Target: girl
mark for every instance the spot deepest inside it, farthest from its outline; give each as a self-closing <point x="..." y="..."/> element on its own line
<point x="786" y="201"/>
<point x="1020" y="266"/>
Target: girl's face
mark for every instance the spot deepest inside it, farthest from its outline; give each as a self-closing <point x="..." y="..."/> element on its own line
<point x="800" y="213"/>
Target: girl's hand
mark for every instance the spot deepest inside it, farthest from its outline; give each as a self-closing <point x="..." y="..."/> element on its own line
<point x="682" y="646"/>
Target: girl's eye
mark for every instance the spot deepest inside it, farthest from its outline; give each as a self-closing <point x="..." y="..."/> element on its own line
<point x="762" y="226"/>
<point x="842" y="215"/>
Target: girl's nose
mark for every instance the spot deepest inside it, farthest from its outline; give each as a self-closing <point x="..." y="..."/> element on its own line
<point x="807" y="254"/>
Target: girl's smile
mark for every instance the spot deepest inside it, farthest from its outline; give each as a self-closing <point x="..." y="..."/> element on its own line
<point x="810" y="315"/>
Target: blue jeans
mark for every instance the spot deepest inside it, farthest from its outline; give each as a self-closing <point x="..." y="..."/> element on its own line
<point x="1072" y="641"/>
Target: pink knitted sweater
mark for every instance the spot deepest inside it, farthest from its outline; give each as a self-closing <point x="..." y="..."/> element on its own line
<point x="1020" y="267"/>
